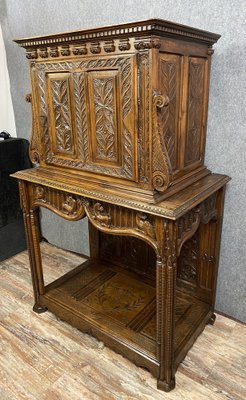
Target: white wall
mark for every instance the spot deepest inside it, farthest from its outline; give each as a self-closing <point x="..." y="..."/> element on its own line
<point x="7" y="121"/>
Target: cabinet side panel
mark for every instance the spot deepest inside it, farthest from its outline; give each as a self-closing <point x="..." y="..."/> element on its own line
<point x="169" y="76"/>
<point x="196" y="104"/>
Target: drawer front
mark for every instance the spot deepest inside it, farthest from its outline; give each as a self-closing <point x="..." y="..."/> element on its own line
<point x="90" y="113"/>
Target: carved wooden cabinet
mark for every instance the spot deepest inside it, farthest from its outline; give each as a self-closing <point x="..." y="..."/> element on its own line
<point x="119" y="126"/>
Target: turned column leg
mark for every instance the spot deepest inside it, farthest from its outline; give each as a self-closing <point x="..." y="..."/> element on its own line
<point x="166" y="280"/>
<point x="33" y="239"/>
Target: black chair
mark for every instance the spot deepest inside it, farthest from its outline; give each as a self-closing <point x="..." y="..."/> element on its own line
<point x="13" y="157"/>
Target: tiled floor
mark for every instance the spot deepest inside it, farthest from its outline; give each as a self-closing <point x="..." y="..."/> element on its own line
<point x="42" y="358"/>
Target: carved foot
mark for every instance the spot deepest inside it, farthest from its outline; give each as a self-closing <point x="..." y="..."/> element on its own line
<point x="212" y="319"/>
<point x="166" y="387"/>
<point x="39" y="309"/>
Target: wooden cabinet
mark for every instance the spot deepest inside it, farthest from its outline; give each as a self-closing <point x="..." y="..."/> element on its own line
<point x="126" y="107"/>
<point x="119" y="127"/>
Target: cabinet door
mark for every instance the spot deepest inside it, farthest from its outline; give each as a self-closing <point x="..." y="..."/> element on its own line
<point x="90" y="106"/>
<point x="170" y="85"/>
<point x="196" y="110"/>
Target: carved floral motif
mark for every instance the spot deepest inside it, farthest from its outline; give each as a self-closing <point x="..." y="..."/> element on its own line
<point x="106" y="146"/>
<point x="62" y="115"/>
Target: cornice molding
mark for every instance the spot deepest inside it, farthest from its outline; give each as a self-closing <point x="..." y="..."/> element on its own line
<point x="150" y="27"/>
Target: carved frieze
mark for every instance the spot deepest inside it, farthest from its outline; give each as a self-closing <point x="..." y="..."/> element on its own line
<point x="113" y="219"/>
<point x="64" y="204"/>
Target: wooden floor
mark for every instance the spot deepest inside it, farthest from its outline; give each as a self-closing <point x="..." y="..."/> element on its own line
<point x="42" y="358"/>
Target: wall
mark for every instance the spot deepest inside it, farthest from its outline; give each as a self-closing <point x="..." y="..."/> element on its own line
<point x="226" y="127"/>
<point x="7" y="120"/>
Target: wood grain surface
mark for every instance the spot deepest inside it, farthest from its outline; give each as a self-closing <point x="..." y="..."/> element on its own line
<point x="43" y="358"/>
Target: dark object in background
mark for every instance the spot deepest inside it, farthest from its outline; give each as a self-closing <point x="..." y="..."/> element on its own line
<point x="5" y="135"/>
<point x="13" y="157"/>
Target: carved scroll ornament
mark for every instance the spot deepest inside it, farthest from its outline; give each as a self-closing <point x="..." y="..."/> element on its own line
<point x="161" y="164"/>
<point x="189" y="223"/>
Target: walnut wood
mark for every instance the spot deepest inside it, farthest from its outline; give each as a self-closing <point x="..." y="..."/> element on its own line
<point x="127" y="108"/>
<point x="119" y="127"/>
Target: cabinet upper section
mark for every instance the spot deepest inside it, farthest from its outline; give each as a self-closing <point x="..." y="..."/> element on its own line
<point x="124" y="106"/>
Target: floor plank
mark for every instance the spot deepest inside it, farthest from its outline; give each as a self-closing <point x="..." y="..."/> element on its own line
<point x="44" y="358"/>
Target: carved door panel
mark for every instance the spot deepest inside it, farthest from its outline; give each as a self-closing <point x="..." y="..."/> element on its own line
<point x="90" y="108"/>
<point x="196" y="110"/>
<point x="170" y="77"/>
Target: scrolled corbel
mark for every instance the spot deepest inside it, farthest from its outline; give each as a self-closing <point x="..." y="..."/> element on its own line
<point x="162" y="169"/>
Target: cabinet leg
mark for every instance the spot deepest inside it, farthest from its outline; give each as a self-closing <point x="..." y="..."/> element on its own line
<point x="166" y="386"/>
<point x="212" y="319"/>
<point x="39" y="309"/>
<point x="33" y="238"/>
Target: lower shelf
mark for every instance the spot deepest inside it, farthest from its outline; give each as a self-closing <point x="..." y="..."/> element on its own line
<point x="119" y="308"/>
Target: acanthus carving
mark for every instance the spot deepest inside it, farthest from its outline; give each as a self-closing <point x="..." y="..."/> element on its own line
<point x="144" y="225"/>
<point x="162" y="169"/>
<point x="63" y="204"/>
<point x="100" y="216"/>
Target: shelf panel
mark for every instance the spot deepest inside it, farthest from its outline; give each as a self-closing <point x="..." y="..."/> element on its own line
<point x="119" y="307"/>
